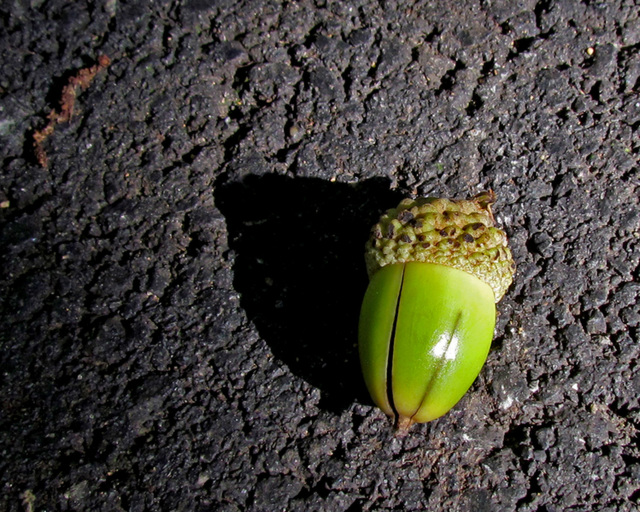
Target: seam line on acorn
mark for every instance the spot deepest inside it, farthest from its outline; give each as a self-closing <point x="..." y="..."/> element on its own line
<point x="390" y="353"/>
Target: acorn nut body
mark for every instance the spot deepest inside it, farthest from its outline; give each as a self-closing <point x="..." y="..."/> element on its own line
<point x="437" y="269"/>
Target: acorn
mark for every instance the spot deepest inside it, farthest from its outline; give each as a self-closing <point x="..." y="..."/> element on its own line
<point x="437" y="267"/>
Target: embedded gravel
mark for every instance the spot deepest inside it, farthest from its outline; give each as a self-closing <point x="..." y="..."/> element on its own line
<point x="180" y="285"/>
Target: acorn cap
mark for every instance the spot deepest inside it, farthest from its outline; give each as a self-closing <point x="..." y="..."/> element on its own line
<point x="457" y="233"/>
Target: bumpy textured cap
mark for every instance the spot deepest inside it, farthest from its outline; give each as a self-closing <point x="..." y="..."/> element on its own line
<point x="457" y="233"/>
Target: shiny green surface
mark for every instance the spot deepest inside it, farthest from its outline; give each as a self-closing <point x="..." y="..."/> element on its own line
<point x="443" y="332"/>
<point x="374" y="332"/>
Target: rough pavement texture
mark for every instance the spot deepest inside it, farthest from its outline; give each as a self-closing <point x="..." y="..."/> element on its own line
<point x="180" y="287"/>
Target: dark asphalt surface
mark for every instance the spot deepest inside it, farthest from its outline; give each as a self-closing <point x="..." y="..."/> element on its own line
<point x="180" y="285"/>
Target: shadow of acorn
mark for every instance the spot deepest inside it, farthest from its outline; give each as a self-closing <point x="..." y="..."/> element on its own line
<point x="300" y="272"/>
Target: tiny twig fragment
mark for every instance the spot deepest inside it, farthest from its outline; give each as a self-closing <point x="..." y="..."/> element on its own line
<point x="67" y="103"/>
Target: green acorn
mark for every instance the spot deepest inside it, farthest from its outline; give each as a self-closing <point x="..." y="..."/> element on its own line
<point x="437" y="269"/>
